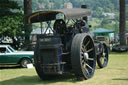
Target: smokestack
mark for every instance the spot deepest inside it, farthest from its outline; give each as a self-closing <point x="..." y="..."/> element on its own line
<point x="83" y="6"/>
<point x="85" y="17"/>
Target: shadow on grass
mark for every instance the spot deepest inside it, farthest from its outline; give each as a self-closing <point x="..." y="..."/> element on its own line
<point x="10" y="67"/>
<point x="125" y="79"/>
<point x="34" y="80"/>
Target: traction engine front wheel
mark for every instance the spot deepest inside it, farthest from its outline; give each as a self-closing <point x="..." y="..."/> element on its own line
<point x="83" y="56"/>
<point x="102" y="59"/>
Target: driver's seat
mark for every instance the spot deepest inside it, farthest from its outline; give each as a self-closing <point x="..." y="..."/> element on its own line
<point x="60" y="26"/>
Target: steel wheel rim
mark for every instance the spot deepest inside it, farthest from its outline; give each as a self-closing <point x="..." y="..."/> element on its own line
<point x="105" y="55"/>
<point x="87" y="60"/>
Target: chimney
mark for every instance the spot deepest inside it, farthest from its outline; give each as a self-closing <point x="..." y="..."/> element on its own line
<point x="85" y="17"/>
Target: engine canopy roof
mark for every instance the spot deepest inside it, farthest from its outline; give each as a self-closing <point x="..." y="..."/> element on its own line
<point x="73" y="13"/>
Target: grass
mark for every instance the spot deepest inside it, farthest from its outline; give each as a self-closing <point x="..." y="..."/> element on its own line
<point x="116" y="73"/>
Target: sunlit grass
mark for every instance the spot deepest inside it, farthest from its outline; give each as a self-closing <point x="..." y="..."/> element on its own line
<point x="116" y="73"/>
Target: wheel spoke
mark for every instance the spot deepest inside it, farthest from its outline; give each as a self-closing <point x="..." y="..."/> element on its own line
<point x="87" y="44"/>
<point x="90" y="59"/>
<point x="83" y="46"/>
<point x="82" y="54"/>
<point x="89" y="67"/>
<point x="84" y="66"/>
<point x="90" y="50"/>
<point x="82" y="62"/>
<point x="82" y="49"/>
<point x="87" y="71"/>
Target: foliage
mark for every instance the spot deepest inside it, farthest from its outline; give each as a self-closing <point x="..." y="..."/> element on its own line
<point x="11" y="18"/>
<point x="105" y="21"/>
<point x="127" y="26"/>
<point x="98" y="13"/>
<point x="7" y="7"/>
<point x="35" y="4"/>
<point x="126" y="12"/>
<point x="58" y="4"/>
<point x="11" y="25"/>
<point x="98" y="6"/>
<point x="108" y="24"/>
<point x="107" y="5"/>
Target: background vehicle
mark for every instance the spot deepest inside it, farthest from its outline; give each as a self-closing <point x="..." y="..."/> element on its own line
<point x="9" y="56"/>
<point x="70" y="47"/>
<point x="104" y="39"/>
<point x="29" y="47"/>
<point x="118" y="48"/>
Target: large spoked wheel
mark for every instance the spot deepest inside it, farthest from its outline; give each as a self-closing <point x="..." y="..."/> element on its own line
<point x="83" y="56"/>
<point x="102" y="59"/>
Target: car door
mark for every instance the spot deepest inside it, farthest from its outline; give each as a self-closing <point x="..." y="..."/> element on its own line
<point x="3" y="57"/>
<point x="12" y="56"/>
<point x="7" y="56"/>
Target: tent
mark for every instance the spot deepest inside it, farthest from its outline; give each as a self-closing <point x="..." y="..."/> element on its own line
<point x="102" y="31"/>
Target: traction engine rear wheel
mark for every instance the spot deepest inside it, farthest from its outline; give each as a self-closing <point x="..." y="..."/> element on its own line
<point x="83" y="56"/>
<point x="102" y="59"/>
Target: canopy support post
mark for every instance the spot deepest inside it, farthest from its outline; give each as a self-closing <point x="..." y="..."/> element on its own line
<point x="41" y="27"/>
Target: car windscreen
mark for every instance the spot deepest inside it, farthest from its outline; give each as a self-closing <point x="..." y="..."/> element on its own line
<point x="10" y="48"/>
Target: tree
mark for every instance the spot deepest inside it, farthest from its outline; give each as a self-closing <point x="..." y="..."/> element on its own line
<point x="105" y="21"/>
<point x="35" y="4"/>
<point x="7" y="7"/>
<point x="122" y="23"/>
<point x="58" y="4"/>
<point x="10" y="18"/>
<point x="27" y="11"/>
<point x="126" y="12"/>
<point x="99" y="12"/>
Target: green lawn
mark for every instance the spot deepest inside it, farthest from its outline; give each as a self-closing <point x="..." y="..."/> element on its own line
<point x="116" y="73"/>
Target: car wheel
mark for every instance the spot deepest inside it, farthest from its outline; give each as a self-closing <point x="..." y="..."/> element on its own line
<point x="24" y="62"/>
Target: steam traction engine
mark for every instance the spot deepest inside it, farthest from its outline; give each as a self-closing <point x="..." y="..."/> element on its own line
<point x="68" y="46"/>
